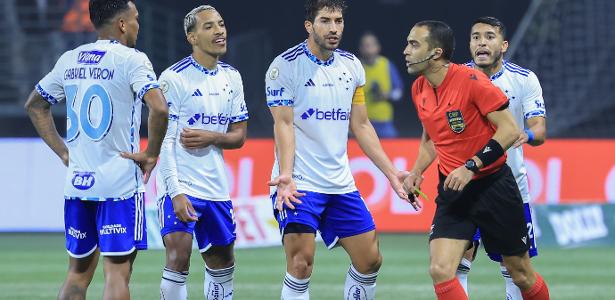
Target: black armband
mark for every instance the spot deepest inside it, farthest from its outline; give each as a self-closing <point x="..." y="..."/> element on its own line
<point x="490" y="153"/>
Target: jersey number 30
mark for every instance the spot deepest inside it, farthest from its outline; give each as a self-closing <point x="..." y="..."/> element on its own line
<point x="82" y="120"/>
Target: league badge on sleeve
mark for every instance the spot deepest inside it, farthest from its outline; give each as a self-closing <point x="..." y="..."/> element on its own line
<point x="455" y="121"/>
<point x="164" y="86"/>
<point x="274" y="73"/>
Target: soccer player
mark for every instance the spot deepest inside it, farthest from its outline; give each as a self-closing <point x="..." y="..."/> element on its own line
<point x="315" y="94"/>
<point x="487" y="46"/>
<point x="467" y="126"/>
<point x="103" y="84"/>
<point x="207" y="113"/>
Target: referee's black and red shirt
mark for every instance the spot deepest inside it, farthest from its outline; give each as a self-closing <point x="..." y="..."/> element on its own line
<point x="454" y="115"/>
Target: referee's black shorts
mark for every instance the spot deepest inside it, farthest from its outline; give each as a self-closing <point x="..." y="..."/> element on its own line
<point x="493" y="204"/>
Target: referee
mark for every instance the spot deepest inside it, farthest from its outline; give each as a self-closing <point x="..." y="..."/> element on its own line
<point x="467" y="126"/>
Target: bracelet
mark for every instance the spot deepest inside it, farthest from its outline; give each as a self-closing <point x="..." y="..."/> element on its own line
<point x="530" y="135"/>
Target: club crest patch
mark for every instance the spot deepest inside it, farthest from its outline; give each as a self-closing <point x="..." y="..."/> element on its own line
<point x="455" y="121"/>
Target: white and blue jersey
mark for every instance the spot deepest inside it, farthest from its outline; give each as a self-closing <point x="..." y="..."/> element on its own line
<point x="320" y="93"/>
<point x="525" y="97"/>
<point x="198" y="99"/>
<point x="524" y="93"/>
<point x="103" y="84"/>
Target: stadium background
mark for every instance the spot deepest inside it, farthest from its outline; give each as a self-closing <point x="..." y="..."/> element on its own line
<point x="572" y="177"/>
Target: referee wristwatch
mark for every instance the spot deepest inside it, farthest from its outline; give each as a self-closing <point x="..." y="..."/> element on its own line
<point x="471" y="165"/>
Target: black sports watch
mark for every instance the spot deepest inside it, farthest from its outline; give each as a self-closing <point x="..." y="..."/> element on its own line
<point x="471" y="165"/>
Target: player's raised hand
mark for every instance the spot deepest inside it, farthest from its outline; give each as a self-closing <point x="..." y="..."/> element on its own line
<point x="522" y="139"/>
<point x="197" y="138"/>
<point x="182" y="207"/>
<point x="144" y="160"/>
<point x="287" y="193"/>
<point x="410" y="184"/>
<point x="458" y="179"/>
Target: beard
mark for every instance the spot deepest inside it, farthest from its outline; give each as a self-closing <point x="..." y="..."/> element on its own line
<point x="322" y="42"/>
<point x="496" y="59"/>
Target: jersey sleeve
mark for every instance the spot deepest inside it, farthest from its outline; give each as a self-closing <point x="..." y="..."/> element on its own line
<point x="485" y="96"/>
<point x="51" y="87"/>
<point x="279" y="89"/>
<point x="141" y="74"/>
<point x="171" y="87"/>
<point x="167" y="169"/>
<point x="360" y="76"/>
<point x="533" y="102"/>
<point x="239" y="111"/>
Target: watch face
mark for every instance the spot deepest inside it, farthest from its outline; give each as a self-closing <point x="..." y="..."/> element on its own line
<point x="471" y="165"/>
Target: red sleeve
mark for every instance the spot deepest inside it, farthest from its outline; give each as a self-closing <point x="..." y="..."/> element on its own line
<point x="485" y="96"/>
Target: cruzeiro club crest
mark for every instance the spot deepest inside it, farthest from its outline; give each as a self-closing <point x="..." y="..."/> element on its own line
<point x="455" y="121"/>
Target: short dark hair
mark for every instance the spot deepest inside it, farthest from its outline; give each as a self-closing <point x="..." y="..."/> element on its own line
<point x="440" y="36"/>
<point x="312" y="7"/>
<point x="102" y="11"/>
<point x="493" y="22"/>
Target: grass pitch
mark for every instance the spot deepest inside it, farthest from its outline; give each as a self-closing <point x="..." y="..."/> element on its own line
<point x="32" y="266"/>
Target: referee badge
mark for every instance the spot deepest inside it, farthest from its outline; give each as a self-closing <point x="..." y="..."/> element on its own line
<point x="455" y="121"/>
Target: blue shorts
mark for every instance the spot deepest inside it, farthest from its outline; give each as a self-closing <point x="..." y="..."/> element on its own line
<point x="215" y="227"/>
<point x="336" y="216"/>
<point x="117" y="227"/>
<point x="533" y="251"/>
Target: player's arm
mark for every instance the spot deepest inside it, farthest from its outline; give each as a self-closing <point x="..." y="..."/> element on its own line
<point x="39" y="111"/>
<point x="156" y="129"/>
<point x="167" y="166"/>
<point x="157" y="121"/>
<point x="493" y="104"/>
<point x="284" y="137"/>
<point x="426" y="156"/>
<point x="141" y="76"/>
<point x="234" y="138"/>
<point x="505" y="135"/>
<point x="535" y="134"/>
<point x="534" y="112"/>
<point x="368" y="140"/>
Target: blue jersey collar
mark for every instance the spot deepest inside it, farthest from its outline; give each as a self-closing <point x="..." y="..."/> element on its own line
<point x="315" y="59"/>
<point x="201" y="68"/>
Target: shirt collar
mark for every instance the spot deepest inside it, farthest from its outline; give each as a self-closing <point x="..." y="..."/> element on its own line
<point x="107" y="42"/>
<point x="203" y="69"/>
<point x="315" y="59"/>
<point x="494" y="76"/>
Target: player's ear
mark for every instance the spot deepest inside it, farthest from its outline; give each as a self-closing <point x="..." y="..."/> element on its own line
<point x="504" y="46"/>
<point x="437" y="53"/>
<point x="191" y="38"/>
<point x="122" y="25"/>
<point x="308" y="26"/>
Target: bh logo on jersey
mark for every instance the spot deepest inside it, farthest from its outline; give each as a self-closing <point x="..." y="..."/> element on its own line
<point x="356" y="292"/>
<point x="218" y="119"/>
<point x="275" y="93"/>
<point x="328" y="115"/>
<point x="83" y="180"/>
